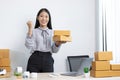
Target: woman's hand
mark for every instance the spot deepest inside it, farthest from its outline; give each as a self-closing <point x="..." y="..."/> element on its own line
<point x="58" y="43"/>
<point x="30" y="25"/>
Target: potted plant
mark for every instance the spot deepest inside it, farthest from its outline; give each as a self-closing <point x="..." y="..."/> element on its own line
<point x="86" y="72"/>
<point x="18" y="75"/>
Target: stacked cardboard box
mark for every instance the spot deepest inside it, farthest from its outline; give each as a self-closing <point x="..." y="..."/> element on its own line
<point x="101" y="67"/>
<point x="5" y="60"/>
<point x="62" y="35"/>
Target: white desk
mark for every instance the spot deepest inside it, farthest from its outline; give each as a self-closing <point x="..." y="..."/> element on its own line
<point x="46" y="76"/>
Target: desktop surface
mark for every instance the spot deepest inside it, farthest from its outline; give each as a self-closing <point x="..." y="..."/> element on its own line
<point x="56" y="76"/>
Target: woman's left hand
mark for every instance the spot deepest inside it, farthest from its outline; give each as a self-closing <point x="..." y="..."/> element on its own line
<point x="58" y="43"/>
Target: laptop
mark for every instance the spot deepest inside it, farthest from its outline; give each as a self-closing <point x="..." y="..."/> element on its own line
<point x="74" y="62"/>
<point x="84" y="62"/>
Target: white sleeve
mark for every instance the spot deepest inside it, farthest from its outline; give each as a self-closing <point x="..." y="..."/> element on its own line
<point x="30" y="41"/>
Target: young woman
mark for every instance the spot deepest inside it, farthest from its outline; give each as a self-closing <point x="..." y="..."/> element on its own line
<point x="39" y="40"/>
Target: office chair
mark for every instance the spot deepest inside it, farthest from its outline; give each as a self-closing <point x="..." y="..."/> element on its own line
<point x="74" y="62"/>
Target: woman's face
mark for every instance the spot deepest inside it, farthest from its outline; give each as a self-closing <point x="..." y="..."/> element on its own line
<point x="43" y="19"/>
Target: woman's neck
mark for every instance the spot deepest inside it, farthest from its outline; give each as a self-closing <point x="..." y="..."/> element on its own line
<point x="43" y="27"/>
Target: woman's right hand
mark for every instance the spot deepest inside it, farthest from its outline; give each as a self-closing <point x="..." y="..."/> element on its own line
<point x="30" y="25"/>
<point x="58" y="43"/>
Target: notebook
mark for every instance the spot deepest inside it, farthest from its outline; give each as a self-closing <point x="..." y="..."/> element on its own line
<point x="84" y="62"/>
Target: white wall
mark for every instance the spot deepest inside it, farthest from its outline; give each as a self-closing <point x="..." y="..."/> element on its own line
<point x="75" y="15"/>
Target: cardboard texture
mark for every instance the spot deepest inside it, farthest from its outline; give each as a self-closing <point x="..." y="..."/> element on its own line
<point x="62" y="38"/>
<point x="62" y="32"/>
<point x="4" y="53"/>
<point x="108" y="73"/>
<point x="115" y="67"/>
<point x="5" y="62"/>
<point x="100" y="73"/>
<point x="115" y="73"/>
<point x="105" y="56"/>
<point x="101" y="65"/>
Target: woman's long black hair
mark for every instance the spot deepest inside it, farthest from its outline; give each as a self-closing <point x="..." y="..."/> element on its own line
<point x="37" y="24"/>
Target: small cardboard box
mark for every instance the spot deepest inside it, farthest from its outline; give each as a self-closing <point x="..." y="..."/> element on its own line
<point x="100" y="65"/>
<point x="94" y="73"/>
<point x="4" y="62"/>
<point x="115" y="67"/>
<point x="104" y="56"/>
<point x="62" y="32"/>
<point x="8" y="68"/>
<point x="115" y="73"/>
<point x="62" y="38"/>
<point x="108" y="73"/>
<point x="4" y="53"/>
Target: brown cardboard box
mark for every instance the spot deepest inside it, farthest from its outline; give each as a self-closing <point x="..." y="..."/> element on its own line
<point x="104" y="73"/>
<point x="8" y="68"/>
<point x="94" y="73"/>
<point x="62" y="32"/>
<point x="115" y="73"/>
<point x="4" y="62"/>
<point x="100" y="65"/>
<point x="115" y="67"/>
<point x="62" y="38"/>
<point x="103" y="56"/>
<point x="4" y="53"/>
